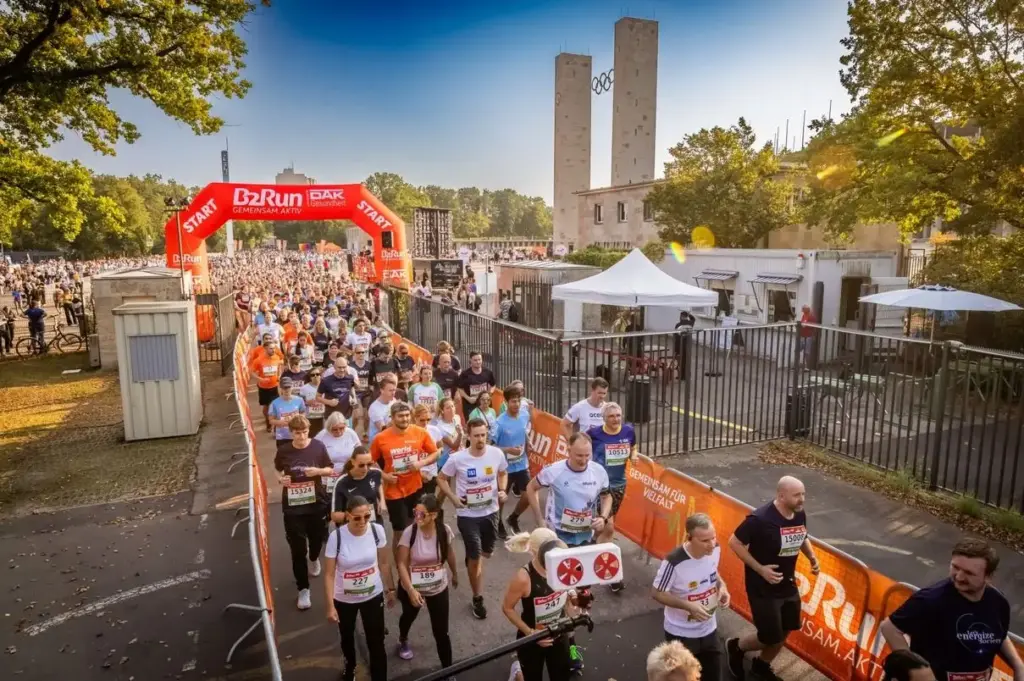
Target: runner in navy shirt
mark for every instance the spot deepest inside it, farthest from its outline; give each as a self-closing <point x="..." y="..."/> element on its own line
<point x="961" y="623"/>
<point x="614" y="445"/>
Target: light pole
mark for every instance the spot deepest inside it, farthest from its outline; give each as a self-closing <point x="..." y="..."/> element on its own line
<point x="176" y="205"/>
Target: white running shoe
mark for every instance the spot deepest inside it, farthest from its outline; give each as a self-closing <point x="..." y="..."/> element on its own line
<point x="314" y="568"/>
<point x="516" y="673"/>
<point x="304" y="602"/>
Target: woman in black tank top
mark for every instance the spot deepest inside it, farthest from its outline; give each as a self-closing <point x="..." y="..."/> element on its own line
<point x="540" y="606"/>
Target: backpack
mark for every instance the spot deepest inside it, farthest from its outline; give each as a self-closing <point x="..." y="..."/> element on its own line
<point x="373" y="528"/>
<point x="513" y="313"/>
<point x="442" y="552"/>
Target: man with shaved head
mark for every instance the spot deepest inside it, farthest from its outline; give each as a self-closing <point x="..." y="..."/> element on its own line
<point x="769" y="542"/>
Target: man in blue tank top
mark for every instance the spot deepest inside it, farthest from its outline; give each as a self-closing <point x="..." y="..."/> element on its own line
<point x="614" y="445"/>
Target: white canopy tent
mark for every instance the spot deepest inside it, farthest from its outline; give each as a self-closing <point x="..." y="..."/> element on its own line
<point x="635" y="281"/>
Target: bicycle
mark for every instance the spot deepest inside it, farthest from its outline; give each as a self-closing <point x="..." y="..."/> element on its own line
<point x="62" y="342"/>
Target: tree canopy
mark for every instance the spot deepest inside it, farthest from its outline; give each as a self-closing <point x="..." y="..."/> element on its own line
<point x="938" y="118"/>
<point x="58" y="62"/>
<point x="719" y="179"/>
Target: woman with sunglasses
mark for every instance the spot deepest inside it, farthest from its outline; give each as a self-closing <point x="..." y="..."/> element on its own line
<point x="423" y="549"/>
<point x="421" y="417"/>
<point x="358" y="583"/>
<point x="359" y="479"/>
<point x="315" y="408"/>
<point x="453" y="435"/>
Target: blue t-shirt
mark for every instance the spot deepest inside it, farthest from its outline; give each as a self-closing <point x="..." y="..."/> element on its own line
<point x="35" y="318"/>
<point x="282" y="408"/>
<point x="511" y="432"/>
<point x="572" y="499"/>
<point x="951" y="632"/>
<point x="612" y="451"/>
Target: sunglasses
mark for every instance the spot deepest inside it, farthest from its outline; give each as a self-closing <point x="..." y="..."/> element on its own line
<point x="361" y="518"/>
<point x="361" y="465"/>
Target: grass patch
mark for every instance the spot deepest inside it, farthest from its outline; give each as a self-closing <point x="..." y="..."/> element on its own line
<point x="965" y="512"/>
<point x="62" y="441"/>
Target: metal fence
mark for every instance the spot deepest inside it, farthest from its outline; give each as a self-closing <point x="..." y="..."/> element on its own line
<point x="947" y="416"/>
<point x="215" y="314"/>
<point x="511" y="351"/>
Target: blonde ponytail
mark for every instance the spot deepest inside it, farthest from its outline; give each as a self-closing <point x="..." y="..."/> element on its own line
<point x="530" y="542"/>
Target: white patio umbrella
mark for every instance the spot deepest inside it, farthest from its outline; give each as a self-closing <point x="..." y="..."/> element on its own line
<point x="943" y="298"/>
<point x="940" y="298"/>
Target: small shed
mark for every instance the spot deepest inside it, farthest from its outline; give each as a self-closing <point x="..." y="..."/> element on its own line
<point x="766" y="286"/>
<point x="141" y="285"/>
<point x="530" y="282"/>
<point x="158" y="363"/>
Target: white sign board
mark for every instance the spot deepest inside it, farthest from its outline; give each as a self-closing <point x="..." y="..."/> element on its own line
<point x="561" y="250"/>
<point x="583" y="566"/>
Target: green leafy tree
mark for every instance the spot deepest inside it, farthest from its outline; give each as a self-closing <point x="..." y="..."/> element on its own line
<point x="60" y="59"/>
<point x="720" y="180"/>
<point x="397" y="194"/>
<point x="938" y="91"/>
<point x="470" y="224"/>
<point x="989" y="265"/>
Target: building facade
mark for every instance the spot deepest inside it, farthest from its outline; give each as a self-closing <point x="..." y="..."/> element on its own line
<point x="634" y="101"/>
<point x="573" y="73"/>
<point x="289" y="176"/>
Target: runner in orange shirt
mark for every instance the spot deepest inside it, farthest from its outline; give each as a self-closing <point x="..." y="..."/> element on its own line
<point x="401" y="450"/>
<point x="267" y="367"/>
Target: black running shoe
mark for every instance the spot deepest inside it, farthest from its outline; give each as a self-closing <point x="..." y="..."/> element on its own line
<point x="735" y="658"/>
<point x="617" y="587"/>
<point x="763" y="671"/>
<point x="479" y="611"/>
<point x="513" y="522"/>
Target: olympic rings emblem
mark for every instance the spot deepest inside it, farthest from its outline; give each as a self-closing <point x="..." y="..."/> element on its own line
<point x="603" y="82"/>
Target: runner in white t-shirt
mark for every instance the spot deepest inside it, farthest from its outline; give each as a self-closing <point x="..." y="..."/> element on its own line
<point x="689" y="586"/>
<point x="357" y="559"/>
<point x="586" y="414"/>
<point x="480" y="473"/>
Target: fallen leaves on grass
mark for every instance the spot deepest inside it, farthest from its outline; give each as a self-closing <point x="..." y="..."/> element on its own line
<point x="896" y="486"/>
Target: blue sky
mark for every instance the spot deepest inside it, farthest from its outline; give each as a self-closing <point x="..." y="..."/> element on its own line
<point x="461" y="93"/>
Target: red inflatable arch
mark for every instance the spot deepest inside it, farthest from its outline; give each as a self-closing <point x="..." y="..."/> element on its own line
<point x="222" y="201"/>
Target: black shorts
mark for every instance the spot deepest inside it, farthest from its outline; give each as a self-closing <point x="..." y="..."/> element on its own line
<point x="774" y="617"/>
<point x="430" y="487"/>
<point x="267" y="395"/>
<point x="365" y="400"/>
<point x="618" y="494"/>
<point x="478" y="535"/>
<point x="400" y="511"/>
<point x="518" y="481"/>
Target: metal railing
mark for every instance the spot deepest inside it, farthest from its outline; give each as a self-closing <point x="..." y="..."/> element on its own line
<point x="948" y="416"/>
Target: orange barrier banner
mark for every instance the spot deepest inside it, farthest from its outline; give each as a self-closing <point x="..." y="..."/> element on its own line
<point x="842" y="606"/>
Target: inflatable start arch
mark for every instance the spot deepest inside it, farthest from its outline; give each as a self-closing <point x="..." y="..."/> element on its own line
<point x="222" y="201"/>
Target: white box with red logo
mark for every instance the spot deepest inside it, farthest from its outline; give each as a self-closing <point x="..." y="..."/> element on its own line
<point x="583" y="566"/>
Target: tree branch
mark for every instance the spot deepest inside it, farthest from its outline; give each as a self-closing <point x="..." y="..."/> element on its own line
<point x="81" y="73"/>
<point x="54" y="18"/>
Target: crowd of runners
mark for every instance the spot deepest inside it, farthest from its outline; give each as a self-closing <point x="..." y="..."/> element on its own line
<point x="376" y="451"/>
<point x="368" y="438"/>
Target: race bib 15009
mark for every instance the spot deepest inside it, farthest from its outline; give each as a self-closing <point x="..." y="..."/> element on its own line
<point x="791" y="539"/>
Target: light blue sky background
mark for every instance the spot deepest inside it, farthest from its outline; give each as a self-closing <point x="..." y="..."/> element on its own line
<point x="461" y="93"/>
